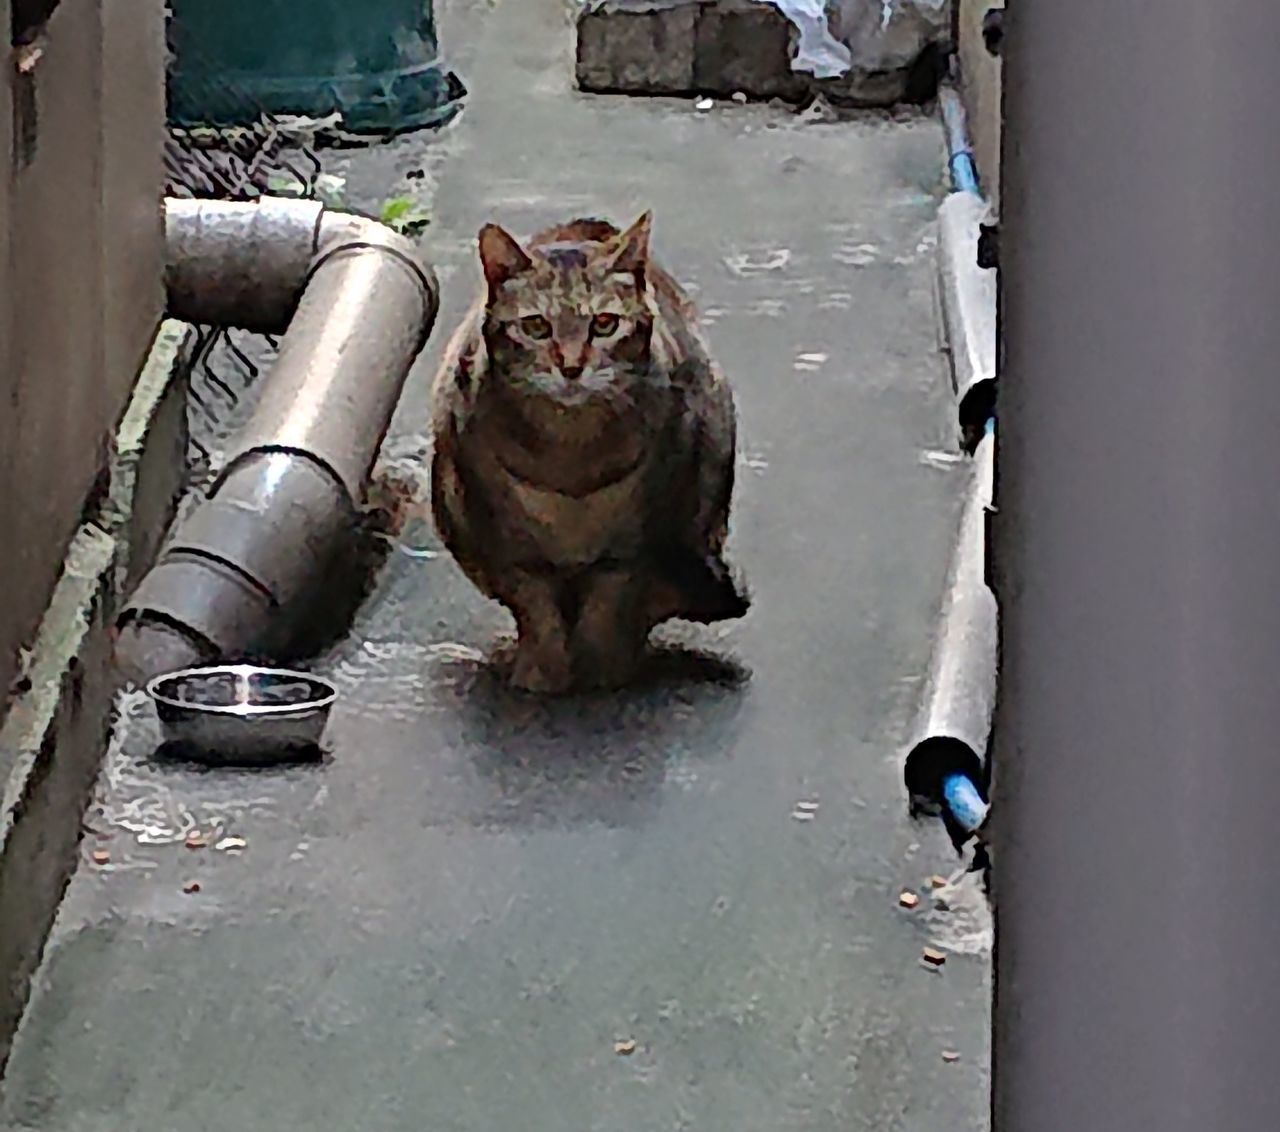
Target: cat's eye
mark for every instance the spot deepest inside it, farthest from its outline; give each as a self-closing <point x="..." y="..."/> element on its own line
<point x="535" y="326"/>
<point x="604" y="325"/>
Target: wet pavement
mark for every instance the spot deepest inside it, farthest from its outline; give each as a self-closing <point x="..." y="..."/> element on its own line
<point x="451" y="923"/>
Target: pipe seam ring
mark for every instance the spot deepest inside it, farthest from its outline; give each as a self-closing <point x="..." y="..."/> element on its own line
<point x="238" y="458"/>
<point x="142" y="617"/>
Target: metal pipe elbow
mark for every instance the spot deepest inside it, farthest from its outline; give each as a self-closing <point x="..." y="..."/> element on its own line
<point x="367" y="307"/>
<point x="239" y="263"/>
<point x="357" y="304"/>
<point x="247" y="263"/>
<point x="346" y="232"/>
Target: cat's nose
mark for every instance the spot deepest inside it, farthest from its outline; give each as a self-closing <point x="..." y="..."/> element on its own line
<point x="571" y="373"/>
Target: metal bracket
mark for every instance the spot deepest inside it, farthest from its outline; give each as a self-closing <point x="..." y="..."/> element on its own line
<point x="993" y="30"/>
<point x="989" y="571"/>
<point x="25" y="109"/>
<point x="989" y="246"/>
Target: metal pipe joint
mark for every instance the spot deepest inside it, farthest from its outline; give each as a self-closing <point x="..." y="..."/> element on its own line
<point x="356" y="303"/>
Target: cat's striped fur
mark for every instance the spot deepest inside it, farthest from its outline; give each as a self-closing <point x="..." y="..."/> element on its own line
<point x="583" y="459"/>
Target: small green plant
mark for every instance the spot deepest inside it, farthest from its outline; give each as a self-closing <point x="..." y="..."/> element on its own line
<point x="283" y="185"/>
<point x="404" y="215"/>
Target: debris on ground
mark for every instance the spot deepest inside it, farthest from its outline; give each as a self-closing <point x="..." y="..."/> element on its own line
<point x="231" y="844"/>
<point x="746" y="265"/>
<point x="908" y="899"/>
<point x="704" y="104"/>
<point x="196" y="840"/>
<point x="101" y="857"/>
<point x="950" y="1056"/>
<point x="936" y="882"/>
<point x="934" y="957"/>
<point x="625" y="1047"/>
<point x="191" y="887"/>
<point x="818" y="112"/>
<point x="809" y="362"/>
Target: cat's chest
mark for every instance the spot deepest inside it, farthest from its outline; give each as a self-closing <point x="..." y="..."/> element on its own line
<point x="578" y="530"/>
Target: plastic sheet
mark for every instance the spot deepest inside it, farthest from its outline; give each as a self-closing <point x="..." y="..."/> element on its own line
<point x="863" y="36"/>
<point x="818" y="51"/>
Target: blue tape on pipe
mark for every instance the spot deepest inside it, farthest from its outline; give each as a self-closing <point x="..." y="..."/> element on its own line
<point x="964" y="802"/>
<point x="964" y="173"/>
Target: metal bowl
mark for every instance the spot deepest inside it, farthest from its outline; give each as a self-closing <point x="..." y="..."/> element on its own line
<point x="239" y="713"/>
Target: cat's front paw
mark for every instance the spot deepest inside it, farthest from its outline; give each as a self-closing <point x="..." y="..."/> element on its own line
<point x="606" y="670"/>
<point x="541" y="672"/>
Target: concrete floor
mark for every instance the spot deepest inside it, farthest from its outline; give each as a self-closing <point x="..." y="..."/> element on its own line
<point x="449" y="925"/>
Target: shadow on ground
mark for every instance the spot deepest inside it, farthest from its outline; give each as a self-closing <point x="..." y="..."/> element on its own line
<point x="591" y="758"/>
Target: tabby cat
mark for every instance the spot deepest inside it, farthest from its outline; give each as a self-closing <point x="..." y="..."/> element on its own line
<point x="584" y="452"/>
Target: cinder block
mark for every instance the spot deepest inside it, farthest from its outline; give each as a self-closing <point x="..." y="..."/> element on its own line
<point x="744" y="46"/>
<point x="637" y="46"/>
<point x="51" y="746"/>
<point x="55" y="733"/>
<point x="149" y="464"/>
<point x="719" y="48"/>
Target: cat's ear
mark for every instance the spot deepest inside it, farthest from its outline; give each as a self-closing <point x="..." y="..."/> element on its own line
<point x="630" y="251"/>
<point x="501" y="256"/>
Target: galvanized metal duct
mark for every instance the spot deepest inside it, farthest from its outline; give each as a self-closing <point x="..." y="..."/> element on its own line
<point x="968" y="289"/>
<point x="945" y="771"/>
<point x="356" y="304"/>
<point x="969" y="312"/>
<point x="946" y="767"/>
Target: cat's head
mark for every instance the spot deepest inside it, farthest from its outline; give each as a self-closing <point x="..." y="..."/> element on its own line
<point x="569" y="317"/>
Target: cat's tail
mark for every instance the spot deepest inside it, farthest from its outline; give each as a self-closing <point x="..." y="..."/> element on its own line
<point x="701" y="589"/>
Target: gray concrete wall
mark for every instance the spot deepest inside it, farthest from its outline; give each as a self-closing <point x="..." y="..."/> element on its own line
<point x="980" y="78"/>
<point x="81" y="278"/>
<point x="8" y="417"/>
<point x="54" y="735"/>
<point x="133" y="95"/>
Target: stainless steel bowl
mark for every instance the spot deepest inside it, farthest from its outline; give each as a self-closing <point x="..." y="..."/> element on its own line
<point x="239" y="713"/>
